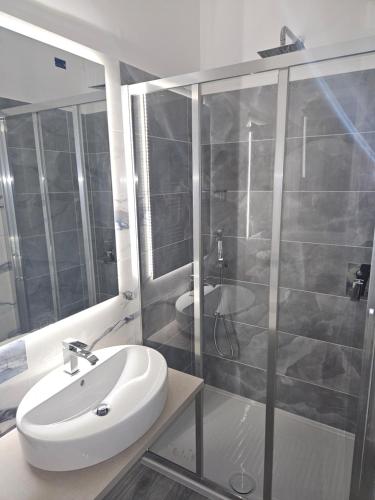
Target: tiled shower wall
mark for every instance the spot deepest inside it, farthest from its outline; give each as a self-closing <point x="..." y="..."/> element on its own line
<point x="327" y="223"/>
<point x="98" y="171"/>
<point x="164" y="200"/>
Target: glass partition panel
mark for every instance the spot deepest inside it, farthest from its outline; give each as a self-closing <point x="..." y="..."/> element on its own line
<point x="326" y="248"/>
<point x="238" y="146"/>
<point x="163" y="164"/>
<point x="100" y="198"/>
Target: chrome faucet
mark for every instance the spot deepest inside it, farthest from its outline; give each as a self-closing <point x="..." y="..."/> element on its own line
<point x="358" y="286"/>
<point x="72" y="350"/>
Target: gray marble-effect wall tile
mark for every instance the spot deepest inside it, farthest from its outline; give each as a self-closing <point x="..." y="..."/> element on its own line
<point x="167" y="115"/>
<point x="235" y="377"/>
<point x="59" y="171"/>
<point x="66" y="250"/>
<point x="237" y="212"/>
<point x="321" y="363"/>
<point x="229" y="165"/>
<point x="100" y="172"/>
<point x="104" y="242"/>
<point x="246" y="259"/>
<point x="70" y="286"/>
<point x="39" y="298"/>
<point x="169" y="168"/>
<point x="178" y="359"/>
<point x="24" y="167"/>
<point x="324" y="317"/>
<point x="171" y="219"/>
<point x="329" y="217"/>
<point x="249" y="343"/>
<point x="241" y="302"/>
<point x="63" y="211"/>
<point x="20" y="132"/>
<point x="77" y="209"/>
<point x="333" y="104"/>
<point x="233" y="115"/>
<point x="74" y="308"/>
<point x="101" y="297"/>
<point x="103" y="209"/>
<point x="170" y="257"/>
<point x="317" y="403"/>
<point x="96" y="127"/>
<point x="13" y="359"/>
<point x="262" y="165"/>
<point x="29" y="214"/>
<point x="158" y="314"/>
<point x="34" y="256"/>
<point x="108" y="280"/>
<point x="69" y="118"/>
<point x="54" y="126"/>
<point x="73" y="163"/>
<point x="333" y="163"/>
<point x="319" y="268"/>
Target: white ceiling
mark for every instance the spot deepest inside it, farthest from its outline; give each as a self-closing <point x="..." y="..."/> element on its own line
<point x="168" y="37"/>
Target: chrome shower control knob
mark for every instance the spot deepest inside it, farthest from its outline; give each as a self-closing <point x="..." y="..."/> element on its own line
<point x="102" y="410"/>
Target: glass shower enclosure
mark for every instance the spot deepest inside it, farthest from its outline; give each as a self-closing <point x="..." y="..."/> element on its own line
<point x="256" y="202"/>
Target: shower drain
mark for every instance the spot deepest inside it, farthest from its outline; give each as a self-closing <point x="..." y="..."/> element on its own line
<point x="242" y="483"/>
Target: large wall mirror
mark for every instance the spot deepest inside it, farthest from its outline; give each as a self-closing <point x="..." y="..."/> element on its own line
<point x="57" y="235"/>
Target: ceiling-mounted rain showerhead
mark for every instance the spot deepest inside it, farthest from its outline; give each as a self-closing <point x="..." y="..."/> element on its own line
<point x="284" y="48"/>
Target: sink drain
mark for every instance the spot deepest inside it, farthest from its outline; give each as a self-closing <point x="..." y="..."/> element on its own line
<point x="242" y="483"/>
<point x="102" y="410"/>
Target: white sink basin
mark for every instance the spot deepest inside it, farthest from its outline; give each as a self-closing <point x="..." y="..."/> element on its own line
<point x="57" y="422"/>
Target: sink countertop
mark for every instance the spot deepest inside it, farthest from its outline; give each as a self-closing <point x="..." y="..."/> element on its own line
<point x="20" y="481"/>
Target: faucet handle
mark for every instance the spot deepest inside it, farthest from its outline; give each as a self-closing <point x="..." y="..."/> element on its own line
<point x="73" y="344"/>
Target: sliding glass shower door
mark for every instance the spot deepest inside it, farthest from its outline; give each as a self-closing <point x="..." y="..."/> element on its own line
<point x="326" y="246"/>
<point x="238" y="129"/>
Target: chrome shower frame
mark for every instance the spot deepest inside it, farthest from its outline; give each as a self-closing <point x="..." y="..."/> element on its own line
<point x="281" y="63"/>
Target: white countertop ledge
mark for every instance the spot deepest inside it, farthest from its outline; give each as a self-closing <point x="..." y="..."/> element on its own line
<point x="21" y="481"/>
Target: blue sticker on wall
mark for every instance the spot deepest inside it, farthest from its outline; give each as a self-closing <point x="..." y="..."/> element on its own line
<point x="60" y="63"/>
<point x="12" y="359"/>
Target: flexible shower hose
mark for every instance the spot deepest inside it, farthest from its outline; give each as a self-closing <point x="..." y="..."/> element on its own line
<point x="220" y="316"/>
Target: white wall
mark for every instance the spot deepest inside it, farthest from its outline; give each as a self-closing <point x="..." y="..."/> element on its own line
<point x="234" y="30"/>
<point x="159" y="36"/>
<point x="30" y="75"/>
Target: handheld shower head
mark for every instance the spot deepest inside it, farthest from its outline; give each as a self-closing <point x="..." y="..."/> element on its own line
<point x="219" y="239"/>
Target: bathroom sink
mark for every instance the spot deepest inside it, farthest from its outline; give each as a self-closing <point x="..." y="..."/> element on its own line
<point x="67" y="422"/>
